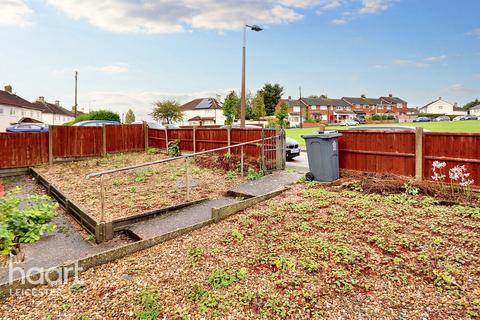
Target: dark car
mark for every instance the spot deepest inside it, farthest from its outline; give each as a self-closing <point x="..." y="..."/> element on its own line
<point x="470" y="117"/>
<point x="422" y="119"/>
<point x="28" y="127"/>
<point x="360" y="120"/>
<point x="293" y="149"/>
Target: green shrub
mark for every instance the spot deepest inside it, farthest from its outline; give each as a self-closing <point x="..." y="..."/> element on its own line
<point x="24" y="221"/>
<point x="174" y="149"/>
<point x="254" y="175"/>
<point x="148" y="299"/>
<point x="96" y="115"/>
<point x="231" y="175"/>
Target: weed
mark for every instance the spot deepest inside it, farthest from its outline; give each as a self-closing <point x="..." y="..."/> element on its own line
<point x="152" y="151"/>
<point x="254" y="175"/>
<point x="343" y="281"/>
<point x="231" y="175"/>
<point x="309" y="265"/>
<point x="227" y="156"/>
<point x="90" y="237"/>
<point x="285" y="264"/>
<point x="411" y="190"/>
<point x="78" y="287"/>
<point x="148" y="299"/>
<point x="174" y="149"/>
<point x="196" y="292"/>
<point x="195" y="254"/>
<point x="221" y="279"/>
<point x="237" y="235"/>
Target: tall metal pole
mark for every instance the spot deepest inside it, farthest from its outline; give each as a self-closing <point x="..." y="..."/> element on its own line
<point x="76" y="104"/>
<point x="243" y="102"/>
<point x="300" y="104"/>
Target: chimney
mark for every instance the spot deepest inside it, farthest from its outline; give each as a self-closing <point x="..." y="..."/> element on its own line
<point x="363" y="96"/>
<point x="57" y="103"/>
<point x="390" y="95"/>
<point x="41" y="99"/>
<point x="289" y="97"/>
<point x="8" y="88"/>
<point x="323" y="96"/>
<point x="439" y="98"/>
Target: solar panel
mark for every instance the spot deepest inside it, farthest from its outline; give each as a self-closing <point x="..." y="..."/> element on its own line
<point x="204" y="104"/>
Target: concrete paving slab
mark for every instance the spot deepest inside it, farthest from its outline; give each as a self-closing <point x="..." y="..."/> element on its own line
<point x="266" y="184"/>
<point x="178" y="219"/>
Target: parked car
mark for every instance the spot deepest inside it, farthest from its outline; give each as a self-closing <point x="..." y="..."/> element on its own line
<point x="442" y="118"/>
<point x="349" y="123"/>
<point x="292" y="148"/>
<point x="28" y="127"/>
<point x="172" y="126"/>
<point x="465" y="117"/>
<point x="422" y="119"/>
<point x="360" y="120"/>
<point x="94" y="123"/>
<point x="151" y="124"/>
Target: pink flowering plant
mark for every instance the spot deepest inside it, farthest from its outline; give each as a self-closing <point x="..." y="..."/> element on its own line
<point x="438" y="175"/>
<point x="458" y="175"/>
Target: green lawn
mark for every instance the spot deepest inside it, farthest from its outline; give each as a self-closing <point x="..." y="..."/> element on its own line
<point x="451" y="126"/>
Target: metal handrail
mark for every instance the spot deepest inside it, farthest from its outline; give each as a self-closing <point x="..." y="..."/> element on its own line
<point x="146" y="164"/>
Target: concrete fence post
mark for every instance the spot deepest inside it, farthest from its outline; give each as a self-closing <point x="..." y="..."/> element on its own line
<point x="104" y="140"/>
<point x="166" y="139"/>
<point x="278" y="149"/>
<point x="419" y="154"/>
<point x="50" y="145"/>
<point x="228" y="137"/>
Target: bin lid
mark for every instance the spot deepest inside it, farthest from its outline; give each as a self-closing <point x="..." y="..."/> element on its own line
<point x="322" y="135"/>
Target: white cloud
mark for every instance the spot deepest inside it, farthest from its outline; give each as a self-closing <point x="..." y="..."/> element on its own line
<point x="15" y="13"/>
<point x="460" y="89"/>
<point x="374" y="6"/>
<point x="165" y="16"/>
<point x="474" y="33"/>
<point x="422" y="63"/>
<point x="115" y="68"/>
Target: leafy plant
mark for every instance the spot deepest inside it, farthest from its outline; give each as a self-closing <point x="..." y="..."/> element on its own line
<point x="174" y="149"/>
<point x="24" y="221"/>
<point x="221" y="279"/>
<point x="283" y="263"/>
<point x="152" y="151"/>
<point x="231" y="175"/>
<point x="254" y="175"/>
<point x="148" y="299"/>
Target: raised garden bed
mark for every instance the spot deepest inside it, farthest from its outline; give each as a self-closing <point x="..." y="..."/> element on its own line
<point x="137" y="191"/>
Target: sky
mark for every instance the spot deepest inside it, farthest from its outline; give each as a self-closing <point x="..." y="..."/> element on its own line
<point x="131" y="53"/>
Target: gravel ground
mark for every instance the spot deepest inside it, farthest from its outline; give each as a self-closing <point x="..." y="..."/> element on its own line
<point x="133" y="192"/>
<point x="310" y="253"/>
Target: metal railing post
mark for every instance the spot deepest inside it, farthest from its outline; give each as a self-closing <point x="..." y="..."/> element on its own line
<point x="187" y="184"/>
<point x="241" y="160"/>
<point x="102" y="199"/>
<point x="263" y="149"/>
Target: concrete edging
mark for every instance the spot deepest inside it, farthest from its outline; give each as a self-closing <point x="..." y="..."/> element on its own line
<point x="224" y="212"/>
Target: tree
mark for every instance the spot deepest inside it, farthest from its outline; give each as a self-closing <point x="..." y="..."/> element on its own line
<point x="230" y="107"/>
<point x="282" y="114"/>
<point x="258" y="108"/>
<point x="308" y="115"/>
<point x="129" y="116"/>
<point x="271" y="95"/>
<point x="471" y="104"/>
<point x="168" y="111"/>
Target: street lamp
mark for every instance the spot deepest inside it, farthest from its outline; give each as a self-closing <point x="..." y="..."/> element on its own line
<point x="243" y="102"/>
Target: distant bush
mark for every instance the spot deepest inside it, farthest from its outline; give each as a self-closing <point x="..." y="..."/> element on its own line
<point x="96" y="115"/>
<point x="380" y="117"/>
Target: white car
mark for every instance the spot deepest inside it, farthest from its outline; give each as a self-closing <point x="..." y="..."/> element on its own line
<point x="349" y="123"/>
<point x="152" y="125"/>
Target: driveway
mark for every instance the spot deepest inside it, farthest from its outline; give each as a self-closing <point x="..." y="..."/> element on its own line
<point x="299" y="163"/>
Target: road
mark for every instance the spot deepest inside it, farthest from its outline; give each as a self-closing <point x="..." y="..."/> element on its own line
<point x="299" y="163"/>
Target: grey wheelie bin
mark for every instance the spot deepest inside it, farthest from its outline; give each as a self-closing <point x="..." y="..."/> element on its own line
<point x="322" y="152"/>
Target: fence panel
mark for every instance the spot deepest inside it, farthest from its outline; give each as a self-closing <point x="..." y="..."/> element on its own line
<point x="121" y="138"/>
<point x="70" y="141"/>
<point x="455" y="149"/>
<point x="184" y="135"/>
<point x="210" y="138"/>
<point x="239" y="135"/>
<point x="23" y="149"/>
<point x="156" y="138"/>
<point x="378" y="151"/>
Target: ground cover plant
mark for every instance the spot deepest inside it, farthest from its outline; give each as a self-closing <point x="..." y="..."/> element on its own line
<point x="138" y="190"/>
<point x="24" y="220"/>
<point x="313" y="252"/>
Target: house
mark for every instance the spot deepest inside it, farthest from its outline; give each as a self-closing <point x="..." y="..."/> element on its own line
<point x="394" y="104"/>
<point x="475" y="110"/>
<point x="293" y="110"/>
<point x="441" y="106"/>
<point x="388" y="105"/>
<point x="13" y="108"/>
<point x="325" y="109"/>
<point x="54" y="113"/>
<point x="202" y="111"/>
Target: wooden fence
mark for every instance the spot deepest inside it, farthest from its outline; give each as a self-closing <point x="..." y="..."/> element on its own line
<point x="197" y="139"/>
<point x="27" y="149"/>
<point x="409" y="153"/>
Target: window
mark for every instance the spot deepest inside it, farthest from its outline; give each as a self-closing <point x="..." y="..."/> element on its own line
<point x="23" y="113"/>
<point x="12" y="111"/>
<point x="339" y="108"/>
<point x="1" y="111"/>
<point x="314" y="107"/>
<point x="296" y="109"/>
<point x="323" y="107"/>
<point x="38" y="115"/>
<point x="440" y="107"/>
<point x="31" y="113"/>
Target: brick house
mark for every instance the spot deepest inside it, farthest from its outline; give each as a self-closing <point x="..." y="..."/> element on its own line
<point x="329" y="110"/>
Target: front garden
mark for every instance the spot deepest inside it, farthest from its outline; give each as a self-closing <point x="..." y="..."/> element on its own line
<point x="343" y="251"/>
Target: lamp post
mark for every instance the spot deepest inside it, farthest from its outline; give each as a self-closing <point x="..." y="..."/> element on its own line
<point x="243" y="102"/>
